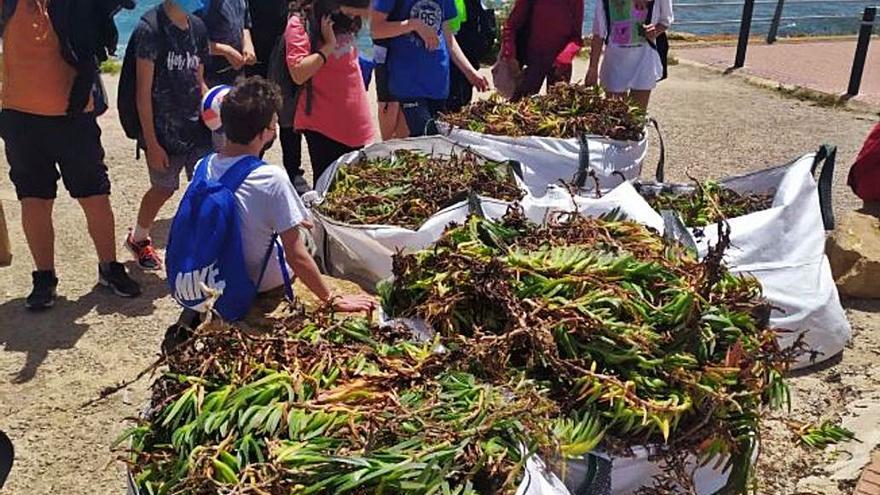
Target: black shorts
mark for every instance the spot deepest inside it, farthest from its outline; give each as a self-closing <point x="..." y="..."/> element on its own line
<point x="38" y="146"/>
<point x="383" y="95"/>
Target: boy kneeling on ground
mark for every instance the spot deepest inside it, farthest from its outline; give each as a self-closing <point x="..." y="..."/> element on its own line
<point x="268" y="209"/>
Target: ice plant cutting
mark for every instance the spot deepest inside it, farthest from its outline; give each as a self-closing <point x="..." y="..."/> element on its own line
<point x="406" y="188"/>
<point x="566" y="111"/>
<point x="709" y="202"/>
<point x="619" y="324"/>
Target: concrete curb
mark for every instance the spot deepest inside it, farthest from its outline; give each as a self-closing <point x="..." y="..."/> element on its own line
<point x="789" y="90"/>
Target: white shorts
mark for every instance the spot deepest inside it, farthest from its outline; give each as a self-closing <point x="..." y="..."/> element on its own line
<point x="627" y="68"/>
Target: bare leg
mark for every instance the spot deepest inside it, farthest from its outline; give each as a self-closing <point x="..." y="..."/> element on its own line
<point x="641" y="97"/>
<point x="102" y="226"/>
<point x="151" y="203"/>
<point x="615" y="96"/>
<point x="392" y="124"/>
<point x="36" y="219"/>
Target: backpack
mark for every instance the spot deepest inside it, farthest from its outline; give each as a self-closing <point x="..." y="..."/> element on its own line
<point x="126" y="98"/>
<point x="661" y="44"/>
<point x="478" y="33"/>
<point x="279" y="73"/>
<point x="205" y="245"/>
<point x="864" y="176"/>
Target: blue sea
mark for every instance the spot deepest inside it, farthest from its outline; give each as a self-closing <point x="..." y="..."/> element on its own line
<point x="691" y="16"/>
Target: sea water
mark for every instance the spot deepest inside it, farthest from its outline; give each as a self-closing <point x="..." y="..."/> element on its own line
<point x="845" y="18"/>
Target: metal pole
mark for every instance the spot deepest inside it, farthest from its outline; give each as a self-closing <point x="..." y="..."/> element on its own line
<point x="858" y="67"/>
<point x="745" y="28"/>
<point x="774" y="25"/>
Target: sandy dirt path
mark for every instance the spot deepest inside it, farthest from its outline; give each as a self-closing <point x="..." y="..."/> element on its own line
<point x="51" y="363"/>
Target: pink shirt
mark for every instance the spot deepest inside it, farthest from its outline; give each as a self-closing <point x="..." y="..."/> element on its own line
<point x="340" y="109"/>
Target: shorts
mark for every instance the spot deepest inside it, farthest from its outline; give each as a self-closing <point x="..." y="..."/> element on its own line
<point x="38" y="146"/>
<point x="383" y="95"/>
<point x="421" y="116"/>
<point x="170" y="179"/>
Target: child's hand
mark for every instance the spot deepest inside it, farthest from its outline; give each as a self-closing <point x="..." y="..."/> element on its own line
<point x="235" y="59"/>
<point x="328" y="35"/>
<point x="652" y="31"/>
<point x="248" y="55"/>
<point x="427" y="33"/>
<point x="157" y="158"/>
<point x="478" y="81"/>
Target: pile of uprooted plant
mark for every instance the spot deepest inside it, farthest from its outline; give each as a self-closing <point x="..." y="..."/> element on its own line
<point x="620" y="325"/>
<point x="566" y="111"/>
<point x="329" y="405"/>
<point x="548" y="340"/>
<point x="408" y="187"/>
<point x="708" y="202"/>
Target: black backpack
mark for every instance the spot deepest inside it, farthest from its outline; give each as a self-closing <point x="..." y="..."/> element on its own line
<point x="126" y="98"/>
<point x="279" y="73"/>
<point x="478" y="34"/>
<point x="661" y="44"/>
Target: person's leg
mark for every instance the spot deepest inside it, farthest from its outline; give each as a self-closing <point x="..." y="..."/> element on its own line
<point x="30" y="143"/>
<point x="533" y="78"/>
<point x="36" y="221"/>
<point x="138" y="241"/>
<point x="291" y="153"/>
<point x="30" y="150"/>
<point x="418" y="116"/>
<point x="560" y="75"/>
<point x="392" y="123"/>
<point x="85" y="177"/>
<point x="323" y="151"/>
<point x="641" y="97"/>
<point x="101" y="225"/>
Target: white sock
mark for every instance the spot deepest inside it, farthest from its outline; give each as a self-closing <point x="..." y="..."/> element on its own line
<point x="139" y="233"/>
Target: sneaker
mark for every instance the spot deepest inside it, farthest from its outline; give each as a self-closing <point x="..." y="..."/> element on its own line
<point x="113" y="275"/>
<point x="143" y="251"/>
<point x="43" y="295"/>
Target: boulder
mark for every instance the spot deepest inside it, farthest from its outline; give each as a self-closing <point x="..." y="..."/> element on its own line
<point x="854" y="252"/>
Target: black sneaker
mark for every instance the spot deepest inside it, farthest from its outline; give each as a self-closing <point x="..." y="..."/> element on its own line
<point x="113" y="275"/>
<point x="43" y="295"/>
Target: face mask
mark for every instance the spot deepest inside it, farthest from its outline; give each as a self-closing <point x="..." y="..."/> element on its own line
<point x="190" y="6"/>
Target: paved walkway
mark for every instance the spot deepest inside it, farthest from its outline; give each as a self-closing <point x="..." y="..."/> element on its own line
<point x="822" y="66"/>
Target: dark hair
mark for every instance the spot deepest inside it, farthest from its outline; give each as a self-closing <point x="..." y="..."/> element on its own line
<point x="248" y="109"/>
<point x="315" y="10"/>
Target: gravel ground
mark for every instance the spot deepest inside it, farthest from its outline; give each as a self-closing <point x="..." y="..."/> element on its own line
<point x="53" y="362"/>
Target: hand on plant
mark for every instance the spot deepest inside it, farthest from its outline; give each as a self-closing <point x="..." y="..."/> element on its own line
<point x="478" y="81"/>
<point x="354" y="303"/>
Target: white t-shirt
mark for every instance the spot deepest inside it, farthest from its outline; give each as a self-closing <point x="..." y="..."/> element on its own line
<point x="629" y="62"/>
<point x="267" y="203"/>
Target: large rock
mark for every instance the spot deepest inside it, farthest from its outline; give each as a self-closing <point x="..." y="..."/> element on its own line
<point x="854" y="252"/>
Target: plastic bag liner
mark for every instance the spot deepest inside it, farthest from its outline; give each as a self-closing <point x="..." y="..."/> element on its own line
<point x="784" y="248"/>
<point x="548" y="161"/>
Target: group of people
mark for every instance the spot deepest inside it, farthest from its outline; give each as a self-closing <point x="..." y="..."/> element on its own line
<point x="184" y="47"/>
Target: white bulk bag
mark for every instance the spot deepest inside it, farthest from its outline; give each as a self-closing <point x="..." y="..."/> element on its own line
<point x="362" y="253"/>
<point x="784" y="248"/>
<point x="547" y="161"/>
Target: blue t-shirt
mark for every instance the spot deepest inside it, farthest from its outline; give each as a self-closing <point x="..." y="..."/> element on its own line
<point x="226" y="21"/>
<point x="413" y="71"/>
